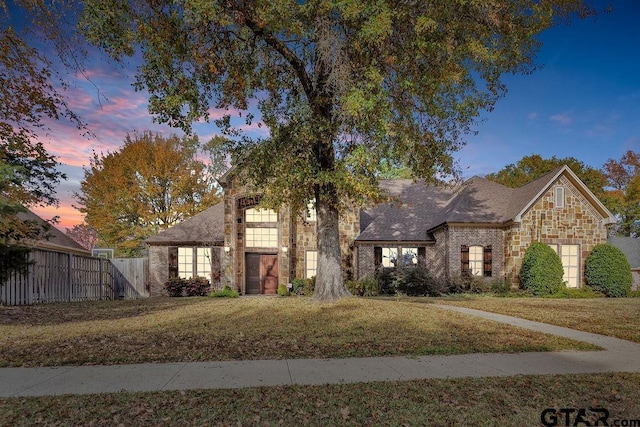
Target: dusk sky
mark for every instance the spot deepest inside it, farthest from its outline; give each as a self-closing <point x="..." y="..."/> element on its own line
<point x="583" y="101"/>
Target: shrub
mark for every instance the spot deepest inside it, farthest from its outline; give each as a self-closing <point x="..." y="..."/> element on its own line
<point x="586" y="292"/>
<point x="309" y="286"/>
<point x="500" y="286"/>
<point x="196" y="286"/>
<point x="607" y="270"/>
<point x="174" y="286"/>
<point x="368" y="286"/>
<point x="226" y="292"/>
<point x="283" y="291"/>
<point x="541" y="272"/>
<point x="416" y="281"/>
<point x="385" y="277"/>
<point x="298" y="286"/>
<point x="467" y="282"/>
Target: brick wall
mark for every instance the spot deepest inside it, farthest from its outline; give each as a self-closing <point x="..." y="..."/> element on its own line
<point x="476" y="236"/>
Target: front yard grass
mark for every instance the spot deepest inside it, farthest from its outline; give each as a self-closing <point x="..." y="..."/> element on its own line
<point x="199" y="329"/>
<point x="506" y="401"/>
<point x="616" y="317"/>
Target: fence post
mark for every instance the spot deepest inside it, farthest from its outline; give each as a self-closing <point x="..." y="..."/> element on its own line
<point x="70" y="276"/>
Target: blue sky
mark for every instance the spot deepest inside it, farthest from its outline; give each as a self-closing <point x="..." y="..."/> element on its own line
<point x="582" y="101"/>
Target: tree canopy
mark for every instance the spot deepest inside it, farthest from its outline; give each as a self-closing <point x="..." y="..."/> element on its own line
<point x="623" y="192"/>
<point x="150" y="184"/>
<point x="534" y="166"/>
<point x="341" y="85"/>
<point x="30" y="96"/>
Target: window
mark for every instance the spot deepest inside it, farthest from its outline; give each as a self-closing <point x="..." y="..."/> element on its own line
<point x="185" y="262"/>
<point x="261" y="237"/>
<point x="311" y="264"/>
<point x="476" y="259"/>
<point x="559" y="197"/>
<point x="194" y="262"/>
<point x="389" y="257"/>
<point x="409" y="257"/>
<point x="310" y="213"/>
<point x="260" y="215"/>
<point x="570" y="257"/>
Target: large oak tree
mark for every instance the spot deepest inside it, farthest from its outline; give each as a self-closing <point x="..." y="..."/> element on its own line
<point x="150" y="184"/>
<point x="30" y="97"/>
<point x="341" y="85"/>
<point x="623" y="192"/>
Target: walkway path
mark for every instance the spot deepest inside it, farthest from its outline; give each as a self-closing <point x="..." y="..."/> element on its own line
<point x="618" y="356"/>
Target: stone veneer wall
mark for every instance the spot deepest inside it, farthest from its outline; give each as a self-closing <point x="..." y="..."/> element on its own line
<point x="306" y="240"/>
<point x="577" y="223"/>
<point x="476" y="236"/>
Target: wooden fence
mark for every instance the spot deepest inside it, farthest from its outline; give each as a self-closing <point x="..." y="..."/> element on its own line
<point x="63" y="277"/>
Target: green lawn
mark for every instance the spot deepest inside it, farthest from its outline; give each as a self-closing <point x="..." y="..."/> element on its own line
<point x="196" y="329"/>
<point x="511" y="401"/>
<point x="616" y="317"/>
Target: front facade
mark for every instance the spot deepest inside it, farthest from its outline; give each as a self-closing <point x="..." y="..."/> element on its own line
<point x="480" y="226"/>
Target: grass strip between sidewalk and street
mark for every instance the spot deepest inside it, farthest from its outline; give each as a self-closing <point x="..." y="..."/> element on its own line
<point x="503" y="401"/>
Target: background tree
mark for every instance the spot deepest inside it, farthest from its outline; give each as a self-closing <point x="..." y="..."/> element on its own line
<point x="623" y="192"/>
<point x="152" y="183"/>
<point x="84" y="235"/>
<point x="401" y="81"/>
<point x="534" y="166"/>
<point x="30" y="95"/>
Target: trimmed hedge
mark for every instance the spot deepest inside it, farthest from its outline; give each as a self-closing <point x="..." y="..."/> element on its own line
<point x="607" y="270"/>
<point x="541" y="272"/>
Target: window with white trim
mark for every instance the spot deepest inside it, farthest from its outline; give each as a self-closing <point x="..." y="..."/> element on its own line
<point x="261" y="237"/>
<point x="194" y="262"/>
<point x="559" y="197"/>
<point x="476" y="260"/>
<point x="409" y="257"/>
<point x="260" y="215"/>
<point x="570" y="257"/>
<point x="389" y="257"/>
<point x="311" y="264"/>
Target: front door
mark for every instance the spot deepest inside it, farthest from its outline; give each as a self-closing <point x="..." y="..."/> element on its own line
<point x="261" y="274"/>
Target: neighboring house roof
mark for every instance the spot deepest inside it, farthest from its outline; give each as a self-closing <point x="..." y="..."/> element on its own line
<point x="53" y="239"/>
<point x="422" y="208"/>
<point x="204" y="228"/>
<point x="630" y="247"/>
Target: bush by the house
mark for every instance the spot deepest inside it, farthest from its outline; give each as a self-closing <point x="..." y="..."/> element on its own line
<point x="368" y="286"/>
<point x="466" y="282"/>
<point x="226" y="292"/>
<point x="585" y="292"/>
<point x="283" y="291"/>
<point x="309" y="286"/>
<point x="385" y="277"/>
<point x="298" y="286"/>
<point x="196" y="287"/>
<point x="607" y="270"/>
<point x="541" y="272"/>
<point x="174" y="286"/>
<point x="416" y="281"/>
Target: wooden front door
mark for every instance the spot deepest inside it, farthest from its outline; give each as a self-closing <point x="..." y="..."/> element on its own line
<point x="261" y="274"/>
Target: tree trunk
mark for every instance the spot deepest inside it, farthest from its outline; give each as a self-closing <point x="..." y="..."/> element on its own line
<point x="329" y="279"/>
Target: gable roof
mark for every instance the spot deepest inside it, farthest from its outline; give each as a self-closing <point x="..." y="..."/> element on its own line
<point x="204" y="228"/>
<point x="422" y="208"/>
<point x="52" y="238"/>
<point x="630" y="247"/>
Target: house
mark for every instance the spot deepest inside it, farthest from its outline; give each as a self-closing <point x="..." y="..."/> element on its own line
<point x="52" y="239"/>
<point x="631" y="248"/>
<point x="191" y="248"/>
<point x="479" y="225"/>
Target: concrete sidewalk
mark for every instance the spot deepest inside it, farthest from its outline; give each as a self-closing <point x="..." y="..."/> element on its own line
<point x="618" y="356"/>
